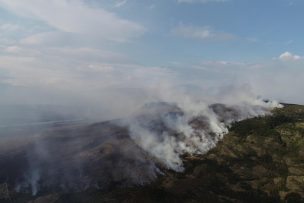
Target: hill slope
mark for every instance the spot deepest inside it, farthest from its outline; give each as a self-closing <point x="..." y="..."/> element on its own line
<point x="259" y="160"/>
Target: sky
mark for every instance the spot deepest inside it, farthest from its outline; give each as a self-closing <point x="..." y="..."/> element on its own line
<point x="95" y="51"/>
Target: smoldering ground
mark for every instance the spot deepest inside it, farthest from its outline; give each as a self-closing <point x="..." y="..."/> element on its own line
<point x="133" y="150"/>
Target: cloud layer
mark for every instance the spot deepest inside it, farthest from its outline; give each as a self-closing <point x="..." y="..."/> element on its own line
<point x="200" y="33"/>
<point x="201" y="1"/>
<point x="76" y="17"/>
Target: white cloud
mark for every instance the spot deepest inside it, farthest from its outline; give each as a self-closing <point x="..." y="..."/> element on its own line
<point x="120" y="3"/>
<point x="200" y="33"/>
<point x="201" y="1"/>
<point x="76" y="17"/>
<point x="63" y="53"/>
<point x="8" y="32"/>
<point x="13" y="49"/>
<point x="287" y="56"/>
<point x="9" y="27"/>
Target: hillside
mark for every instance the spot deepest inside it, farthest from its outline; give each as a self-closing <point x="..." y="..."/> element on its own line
<point x="259" y="160"/>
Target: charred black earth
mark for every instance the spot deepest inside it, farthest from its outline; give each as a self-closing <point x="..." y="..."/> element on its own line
<point x="259" y="160"/>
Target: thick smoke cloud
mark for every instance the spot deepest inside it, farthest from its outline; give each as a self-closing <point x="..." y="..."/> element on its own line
<point x="169" y="130"/>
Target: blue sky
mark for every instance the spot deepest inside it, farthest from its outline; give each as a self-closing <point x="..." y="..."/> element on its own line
<point x="259" y="29"/>
<point x="91" y="45"/>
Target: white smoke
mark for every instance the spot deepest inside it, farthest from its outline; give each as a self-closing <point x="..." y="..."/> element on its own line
<point x="168" y="129"/>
